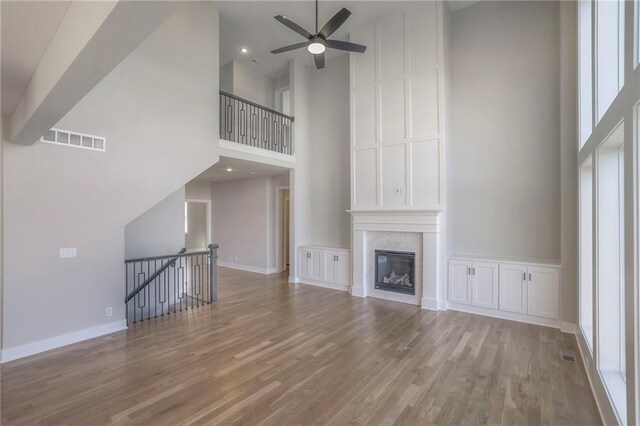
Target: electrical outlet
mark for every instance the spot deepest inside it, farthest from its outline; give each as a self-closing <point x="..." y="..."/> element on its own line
<point x="68" y="252"/>
<point x="109" y="312"/>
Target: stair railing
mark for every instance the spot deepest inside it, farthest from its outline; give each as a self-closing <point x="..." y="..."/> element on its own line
<point x="162" y="285"/>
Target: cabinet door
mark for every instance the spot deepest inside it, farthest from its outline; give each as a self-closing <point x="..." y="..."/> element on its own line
<point x="315" y="265"/>
<point x="303" y="263"/>
<point x="513" y="288"/>
<point x="543" y="292"/>
<point x="460" y="281"/>
<point x="485" y="284"/>
<point x="330" y="267"/>
<point x="343" y="268"/>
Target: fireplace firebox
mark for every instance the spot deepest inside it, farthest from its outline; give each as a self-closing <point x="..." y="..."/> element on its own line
<point x="395" y="271"/>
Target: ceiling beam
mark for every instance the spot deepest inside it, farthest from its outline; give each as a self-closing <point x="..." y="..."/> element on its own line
<point x="93" y="38"/>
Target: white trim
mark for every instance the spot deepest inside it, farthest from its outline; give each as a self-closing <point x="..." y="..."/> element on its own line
<point x="529" y="319"/>
<point x="358" y="291"/>
<point x="331" y="286"/>
<point x="431" y="304"/>
<point x="550" y="263"/>
<point x="279" y="240"/>
<point x="605" y="408"/>
<point x="33" y="348"/>
<point x="248" y="268"/>
<point x="568" y="327"/>
<point x="250" y="153"/>
<point x="208" y="203"/>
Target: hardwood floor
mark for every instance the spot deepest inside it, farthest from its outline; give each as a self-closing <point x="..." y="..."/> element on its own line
<point x="274" y="353"/>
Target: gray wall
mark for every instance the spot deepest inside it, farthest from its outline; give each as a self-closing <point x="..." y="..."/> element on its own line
<point x="159" y="230"/>
<point x="503" y="159"/>
<point x="196" y="236"/>
<point x="243" y="220"/>
<point x="331" y="224"/>
<point x="158" y="108"/>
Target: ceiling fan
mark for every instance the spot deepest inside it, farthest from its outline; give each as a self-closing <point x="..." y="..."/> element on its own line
<point x="318" y="42"/>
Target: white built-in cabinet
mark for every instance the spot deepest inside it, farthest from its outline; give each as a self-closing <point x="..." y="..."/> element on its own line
<point x="310" y="263"/>
<point x="324" y="266"/>
<point x="473" y="283"/>
<point x="529" y="290"/>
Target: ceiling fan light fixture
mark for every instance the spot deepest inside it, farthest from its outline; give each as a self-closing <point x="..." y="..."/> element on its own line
<point x="316" y="47"/>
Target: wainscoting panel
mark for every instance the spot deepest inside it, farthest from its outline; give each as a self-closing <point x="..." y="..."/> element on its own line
<point x="397" y="106"/>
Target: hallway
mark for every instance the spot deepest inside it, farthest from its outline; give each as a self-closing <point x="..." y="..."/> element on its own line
<point x="278" y="353"/>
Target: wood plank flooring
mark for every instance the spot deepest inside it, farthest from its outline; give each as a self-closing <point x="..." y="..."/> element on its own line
<point x="272" y="353"/>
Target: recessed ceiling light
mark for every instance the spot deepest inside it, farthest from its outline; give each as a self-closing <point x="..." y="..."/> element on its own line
<point x="244" y="50"/>
<point x="229" y="169"/>
<point x="252" y="173"/>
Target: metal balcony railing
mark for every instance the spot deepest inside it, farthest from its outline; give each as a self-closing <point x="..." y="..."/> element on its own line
<point x="248" y="123"/>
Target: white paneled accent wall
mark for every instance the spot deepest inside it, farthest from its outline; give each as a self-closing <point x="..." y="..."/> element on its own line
<point x="397" y="112"/>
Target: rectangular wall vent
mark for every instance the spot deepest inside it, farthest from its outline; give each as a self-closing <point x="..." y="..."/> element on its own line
<point x="75" y="139"/>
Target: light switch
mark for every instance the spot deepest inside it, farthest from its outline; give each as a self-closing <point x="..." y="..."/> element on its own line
<point x="68" y="252"/>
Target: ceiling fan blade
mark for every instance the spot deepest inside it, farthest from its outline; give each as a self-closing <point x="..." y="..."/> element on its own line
<point x="295" y="27"/>
<point x="334" y="23"/>
<point x="319" y="58"/>
<point x="290" y="47"/>
<point x="345" y="45"/>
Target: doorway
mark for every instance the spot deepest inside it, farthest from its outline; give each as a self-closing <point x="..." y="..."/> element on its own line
<point x="197" y="224"/>
<point x="283" y="229"/>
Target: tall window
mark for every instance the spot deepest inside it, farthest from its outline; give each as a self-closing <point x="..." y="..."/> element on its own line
<point x="585" y="78"/>
<point x="611" y="294"/>
<point x="609" y="52"/>
<point x="586" y="252"/>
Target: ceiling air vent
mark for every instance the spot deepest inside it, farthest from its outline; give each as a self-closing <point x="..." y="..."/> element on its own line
<point x="257" y="61"/>
<point x="75" y="139"/>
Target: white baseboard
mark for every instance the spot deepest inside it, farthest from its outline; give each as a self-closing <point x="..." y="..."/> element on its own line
<point x="546" y="322"/>
<point x="17" y="352"/>
<point x="332" y="286"/>
<point x="248" y="268"/>
<point x="568" y="327"/>
<point x="429" y="303"/>
<point x="357" y="291"/>
<point x="293" y="279"/>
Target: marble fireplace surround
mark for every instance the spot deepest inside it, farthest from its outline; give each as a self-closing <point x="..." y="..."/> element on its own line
<point x="414" y="231"/>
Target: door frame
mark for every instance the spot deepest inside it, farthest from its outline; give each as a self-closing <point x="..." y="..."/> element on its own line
<point x="208" y="216"/>
<point x="279" y="243"/>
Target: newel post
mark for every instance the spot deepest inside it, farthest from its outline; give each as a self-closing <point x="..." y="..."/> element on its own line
<point x="213" y="273"/>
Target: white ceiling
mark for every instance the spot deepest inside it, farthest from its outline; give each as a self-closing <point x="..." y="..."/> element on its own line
<point x="27" y="29"/>
<point x="250" y="24"/>
<point x="240" y="169"/>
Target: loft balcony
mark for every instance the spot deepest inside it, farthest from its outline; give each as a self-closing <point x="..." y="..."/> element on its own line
<point x="254" y="130"/>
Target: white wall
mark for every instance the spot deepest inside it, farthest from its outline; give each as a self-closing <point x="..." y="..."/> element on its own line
<point x="158" y="231"/>
<point x="243" y="221"/>
<point x="569" y="161"/>
<point x="247" y="83"/>
<point x="329" y="148"/>
<point x="503" y="160"/>
<point x="196" y="236"/>
<point x="226" y="78"/>
<point x="198" y="190"/>
<point x="157" y="109"/>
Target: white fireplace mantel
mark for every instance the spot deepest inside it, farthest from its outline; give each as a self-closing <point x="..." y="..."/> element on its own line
<point x="424" y="222"/>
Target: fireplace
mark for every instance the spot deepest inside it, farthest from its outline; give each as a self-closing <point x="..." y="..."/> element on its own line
<point x="395" y="271"/>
